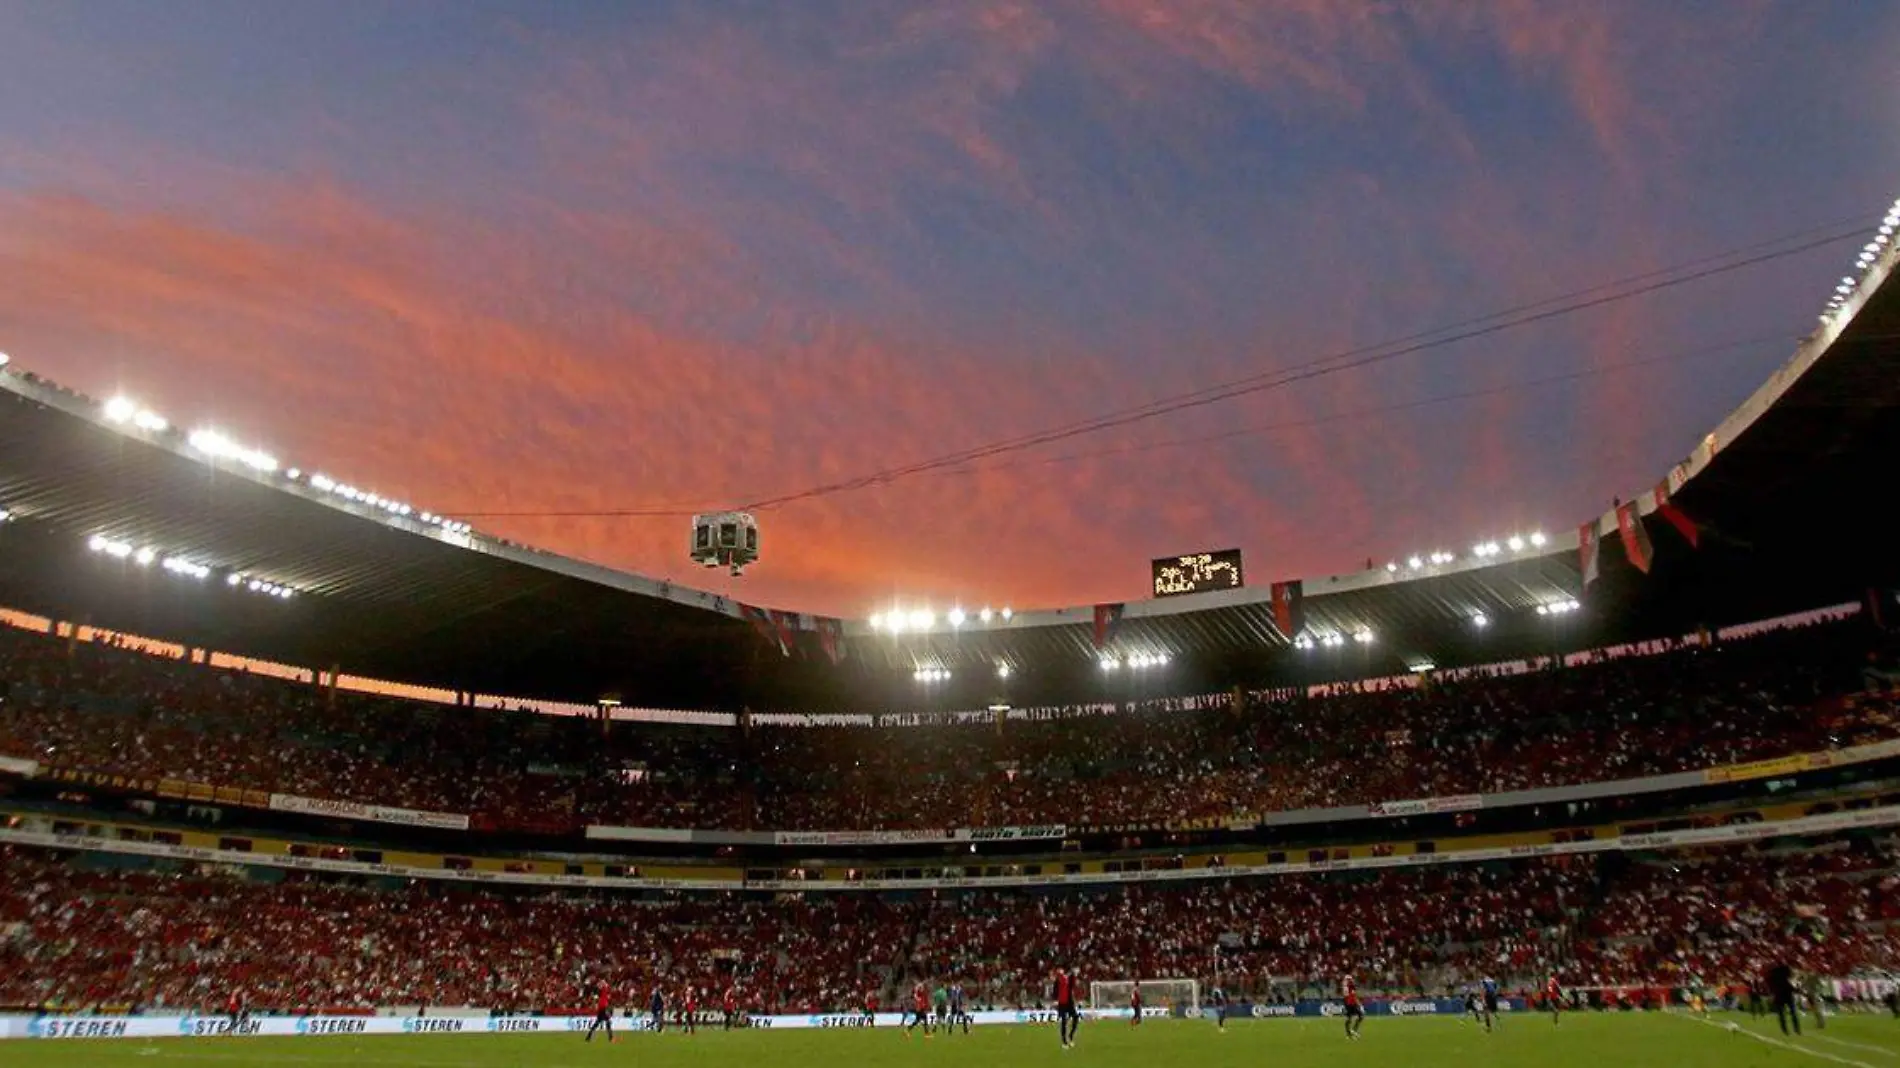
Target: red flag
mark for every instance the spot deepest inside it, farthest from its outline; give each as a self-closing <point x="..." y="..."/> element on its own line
<point x="1676" y="516"/>
<point x="1107" y="618"/>
<point x="831" y="639"/>
<point x="1287" y="605"/>
<point x="1635" y="538"/>
<point x="769" y="626"/>
<point x="1587" y="545"/>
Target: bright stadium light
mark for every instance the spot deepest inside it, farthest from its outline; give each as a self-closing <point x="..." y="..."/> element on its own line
<point x="877" y="621"/>
<point x="1002" y="671"/>
<point x="120" y="410"/>
<point x="1391" y="566"/>
<point x="1538" y="539"/>
<point x="1109" y="663"/>
<point x="923" y="619"/>
<point x="1008" y="612"/>
<point x="1415" y="563"/>
<point x="985" y="615"/>
<point x="1302" y="643"/>
<point x="5" y="359"/>
<point x="955" y="617"/>
<point x="1362" y="636"/>
<point x="1480" y="621"/>
<point x="1516" y="543"/>
<point x="145" y="556"/>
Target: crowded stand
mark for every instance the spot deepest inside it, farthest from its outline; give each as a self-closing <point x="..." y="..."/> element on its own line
<point x="93" y="707"/>
<point x="87" y="931"/>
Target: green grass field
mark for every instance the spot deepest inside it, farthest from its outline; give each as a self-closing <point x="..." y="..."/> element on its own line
<point x="1583" y="1041"/>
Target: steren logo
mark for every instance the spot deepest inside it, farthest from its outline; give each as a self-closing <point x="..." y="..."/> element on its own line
<point x="431" y="1026"/>
<point x="1035" y="1017"/>
<point x="855" y="1020"/>
<point x="211" y="1027"/>
<point x="514" y="1025"/>
<point x="334" y="1027"/>
<point x="82" y="1029"/>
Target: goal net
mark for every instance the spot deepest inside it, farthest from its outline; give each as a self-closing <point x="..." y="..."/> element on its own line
<point x="1157" y="995"/>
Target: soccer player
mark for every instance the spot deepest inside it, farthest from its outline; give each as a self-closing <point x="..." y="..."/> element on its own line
<point x="234" y="1008"/>
<point x="1355" y="1012"/>
<point x="603" y="1013"/>
<point x="1554" y="999"/>
<point x="940" y="1006"/>
<point x="1068" y="1020"/>
<point x="958" y="1013"/>
<point x="731" y="1006"/>
<point x="1134" y="1003"/>
<point x="691" y="1001"/>
<point x="919" y="1009"/>
<point x="1490" y="989"/>
<point x="656" y="1005"/>
<point x="1218" y="999"/>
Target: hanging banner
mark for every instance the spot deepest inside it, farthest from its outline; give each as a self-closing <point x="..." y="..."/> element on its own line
<point x="1635" y="538"/>
<point x="1288" y="611"/>
<point x="1676" y="517"/>
<point x="1108" y="618"/>
<point x="1587" y="551"/>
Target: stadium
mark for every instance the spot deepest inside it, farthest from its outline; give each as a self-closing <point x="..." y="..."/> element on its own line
<point x="293" y="771"/>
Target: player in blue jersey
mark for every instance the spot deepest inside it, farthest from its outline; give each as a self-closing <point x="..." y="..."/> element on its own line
<point x="1218" y="1000"/>
<point x="1490" y="989"/>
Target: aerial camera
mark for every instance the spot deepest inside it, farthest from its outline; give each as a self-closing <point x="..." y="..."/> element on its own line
<point x="725" y="539"/>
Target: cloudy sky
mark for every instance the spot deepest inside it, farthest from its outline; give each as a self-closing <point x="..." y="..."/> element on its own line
<point x="581" y="258"/>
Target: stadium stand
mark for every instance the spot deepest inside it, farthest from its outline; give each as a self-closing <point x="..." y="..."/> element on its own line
<point x="90" y="934"/>
<point x="92" y="707"/>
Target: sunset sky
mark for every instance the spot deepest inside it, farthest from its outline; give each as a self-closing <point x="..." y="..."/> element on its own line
<point x="583" y="257"/>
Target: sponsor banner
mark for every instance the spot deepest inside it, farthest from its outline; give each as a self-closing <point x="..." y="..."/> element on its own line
<point x="859" y="838"/>
<point x="1012" y="834"/>
<point x="1766" y="769"/>
<point x="1426" y="805"/>
<point x="1887" y="816"/>
<point x="354" y="810"/>
<point x="605" y="833"/>
<point x="57" y="1027"/>
<point x="922" y="837"/>
<point x="26" y="769"/>
<point x="1309" y="1008"/>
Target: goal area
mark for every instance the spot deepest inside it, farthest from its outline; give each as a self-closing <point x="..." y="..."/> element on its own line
<point x="1157" y="995"/>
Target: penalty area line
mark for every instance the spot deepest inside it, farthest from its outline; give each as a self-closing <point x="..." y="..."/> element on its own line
<point x="1773" y="1041"/>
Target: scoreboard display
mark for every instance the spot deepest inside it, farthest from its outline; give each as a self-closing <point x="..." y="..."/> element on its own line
<point x="1198" y="573"/>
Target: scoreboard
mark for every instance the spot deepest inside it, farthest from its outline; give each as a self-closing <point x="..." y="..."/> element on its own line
<point x="1198" y="573"/>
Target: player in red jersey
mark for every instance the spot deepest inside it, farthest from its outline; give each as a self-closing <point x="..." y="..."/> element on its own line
<point x="1134" y="1003"/>
<point x="1553" y="998"/>
<point x="603" y="1013"/>
<point x="234" y="1008"/>
<point x="731" y="1006"/>
<point x="1355" y="1012"/>
<point x="919" y="1009"/>
<point x="1068" y="1020"/>
<point x="691" y="1001"/>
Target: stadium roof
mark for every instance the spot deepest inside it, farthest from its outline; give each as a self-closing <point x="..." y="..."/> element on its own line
<point x="1786" y="494"/>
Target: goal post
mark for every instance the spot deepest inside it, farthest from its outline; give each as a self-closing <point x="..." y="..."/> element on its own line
<point x="1157" y="995"/>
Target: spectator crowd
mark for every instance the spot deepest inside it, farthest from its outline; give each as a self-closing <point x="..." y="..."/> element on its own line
<point x="82" y="931"/>
<point x="89" y="706"/>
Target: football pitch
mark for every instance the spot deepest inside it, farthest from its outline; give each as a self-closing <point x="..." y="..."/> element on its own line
<point x="1583" y="1041"/>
